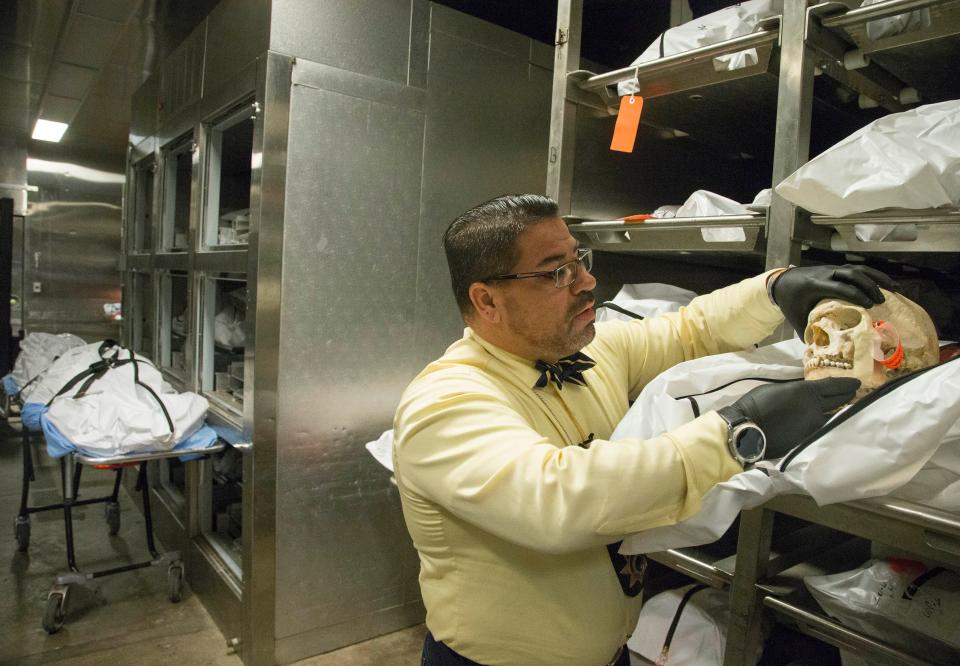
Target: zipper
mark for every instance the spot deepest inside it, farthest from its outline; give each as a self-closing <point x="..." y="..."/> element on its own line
<point x="858" y="407"/>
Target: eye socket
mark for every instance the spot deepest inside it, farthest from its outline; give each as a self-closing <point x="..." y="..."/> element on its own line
<point x="846" y="317"/>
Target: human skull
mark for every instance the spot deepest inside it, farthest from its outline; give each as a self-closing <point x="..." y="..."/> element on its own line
<point x="873" y="345"/>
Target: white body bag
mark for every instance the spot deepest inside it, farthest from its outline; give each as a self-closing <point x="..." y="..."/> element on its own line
<point x="118" y="411"/>
<point x="37" y="352"/>
<point x="902" y="439"/>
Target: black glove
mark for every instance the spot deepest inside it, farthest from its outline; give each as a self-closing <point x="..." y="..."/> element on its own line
<point x="788" y="413"/>
<point x="798" y="290"/>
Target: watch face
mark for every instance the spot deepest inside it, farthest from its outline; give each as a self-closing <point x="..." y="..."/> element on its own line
<point x="750" y="443"/>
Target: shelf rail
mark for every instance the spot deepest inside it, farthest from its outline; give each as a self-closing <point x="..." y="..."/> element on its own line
<point x="763" y="40"/>
<point x="818" y="626"/>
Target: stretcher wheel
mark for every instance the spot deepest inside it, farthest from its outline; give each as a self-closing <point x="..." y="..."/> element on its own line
<point x="175" y="582"/>
<point x="111" y="512"/>
<point x="21" y="528"/>
<point x="55" y="612"/>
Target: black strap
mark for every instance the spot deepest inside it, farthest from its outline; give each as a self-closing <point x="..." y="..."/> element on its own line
<point x="769" y="380"/>
<point x="109" y="353"/>
<point x="36" y="377"/>
<point x="695" y="406"/>
<point x="665" y="650"/>
<point x="616" y="308"/>
<point x="914" y="586"/>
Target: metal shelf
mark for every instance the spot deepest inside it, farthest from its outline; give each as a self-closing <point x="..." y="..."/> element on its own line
<point x="698" y="565"/>
<point x="916" y="57"/>
<point x="937" y="230"/>
<point x="821" y="627"/>
<point x="788" y="550"/>
<point x="691" y="234"/>
<point x="690" y="69"/>
<point x="787" y="596"/>
<point x="930" y="533"/>
<point x="686" y="92"/>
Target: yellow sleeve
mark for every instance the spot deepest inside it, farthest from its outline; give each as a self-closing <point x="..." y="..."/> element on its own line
<point x="728" y="319"/>
<point x="463" y="446"/>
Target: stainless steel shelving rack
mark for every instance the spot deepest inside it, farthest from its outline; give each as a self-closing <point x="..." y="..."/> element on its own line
<point x="810" y="40"/>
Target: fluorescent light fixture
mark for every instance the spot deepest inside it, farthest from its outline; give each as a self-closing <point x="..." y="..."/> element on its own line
<point x="48" y="130"/>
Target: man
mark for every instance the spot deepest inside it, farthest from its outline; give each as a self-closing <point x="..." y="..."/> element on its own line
<point x="512" y="492"/>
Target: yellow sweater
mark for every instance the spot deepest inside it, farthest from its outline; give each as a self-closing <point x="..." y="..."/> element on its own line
<point x="510" y="517"/>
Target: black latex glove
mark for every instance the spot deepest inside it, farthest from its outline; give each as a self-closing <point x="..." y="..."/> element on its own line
<point x="798" y="290"/>
<point x="788" y="413"/>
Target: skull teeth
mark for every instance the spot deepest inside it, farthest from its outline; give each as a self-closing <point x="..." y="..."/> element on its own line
<point x="827" y="363"/>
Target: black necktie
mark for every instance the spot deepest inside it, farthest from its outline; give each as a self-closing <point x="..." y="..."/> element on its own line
<point x="567" y="369"/>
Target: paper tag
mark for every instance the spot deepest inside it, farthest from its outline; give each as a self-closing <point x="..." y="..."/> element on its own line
<point x="628" y="122"/>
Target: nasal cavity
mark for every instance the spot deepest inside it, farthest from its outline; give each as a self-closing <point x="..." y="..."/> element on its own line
<point x="817" y="336"/>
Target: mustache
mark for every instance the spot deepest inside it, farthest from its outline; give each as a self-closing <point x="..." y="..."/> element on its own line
<point x="586" y="298"/>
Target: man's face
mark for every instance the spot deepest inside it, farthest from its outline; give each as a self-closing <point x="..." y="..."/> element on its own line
<point x="545" y="320"/>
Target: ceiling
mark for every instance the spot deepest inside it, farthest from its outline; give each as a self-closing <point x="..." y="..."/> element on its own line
<point x="79" y="61"/>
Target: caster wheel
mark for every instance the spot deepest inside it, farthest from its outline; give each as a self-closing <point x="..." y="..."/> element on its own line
<point x="175" y="582"/>
<point x="55" y="612"/>
<point x="21" y="528"/>
<point x="111" y="513"/>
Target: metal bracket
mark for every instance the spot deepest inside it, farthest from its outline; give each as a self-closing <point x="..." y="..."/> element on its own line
<point x="562" y="37"/>
<point x="243" y="447"/>
<point x="65" y="579"/>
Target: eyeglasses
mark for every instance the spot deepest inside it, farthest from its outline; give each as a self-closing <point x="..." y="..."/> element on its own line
<point x="563" y="276"/>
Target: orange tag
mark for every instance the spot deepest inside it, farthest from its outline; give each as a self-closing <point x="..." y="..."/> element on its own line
<point x="628" y="122"/>
<point x="637" y="219"/>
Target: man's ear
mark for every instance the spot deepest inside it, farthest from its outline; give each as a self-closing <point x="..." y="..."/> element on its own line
<point x="486" y="302"/>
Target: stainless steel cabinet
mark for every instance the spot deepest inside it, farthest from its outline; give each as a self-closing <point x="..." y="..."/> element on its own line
<point x="328" y="147"/>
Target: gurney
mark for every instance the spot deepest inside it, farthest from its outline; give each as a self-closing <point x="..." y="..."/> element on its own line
<point x="71" y="432"/>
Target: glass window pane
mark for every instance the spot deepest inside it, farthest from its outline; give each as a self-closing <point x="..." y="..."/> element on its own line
<point x="144" y="315"/>
<point x="143" y="205"/>
<point x="175" y="323"/>
<point x="224" y="340"/>
<point x="178" y="175"/>
<point x="227" y="210"/>
<point x="221" y="507"/>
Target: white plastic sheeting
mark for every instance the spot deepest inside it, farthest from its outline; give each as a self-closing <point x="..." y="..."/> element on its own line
<point x="896" y="24"/>
<point x="647" y="300"/>
<point x="116" y="416"/>
<point x="37" y="352"/>
<point x="704" y="203"/>
<point x="382" y="449"/>
<point x="898" y="601"/>
<point x="902" y="441"/>
<point x="701" y="633"/>
<point x="903" y="160"/>
<point x="228" y="327"/>
<point x="736" y="21"/>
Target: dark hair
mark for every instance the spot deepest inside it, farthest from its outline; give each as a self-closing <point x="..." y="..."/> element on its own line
<point x="482" y="242"/>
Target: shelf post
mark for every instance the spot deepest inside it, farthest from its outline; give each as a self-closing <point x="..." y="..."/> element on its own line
<point x="563" y="112"/>
<point x="792" y="144"/>
<point x="746" y="603"/>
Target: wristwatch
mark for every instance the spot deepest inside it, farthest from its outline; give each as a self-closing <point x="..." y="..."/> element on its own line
<point x="745" y="440"/>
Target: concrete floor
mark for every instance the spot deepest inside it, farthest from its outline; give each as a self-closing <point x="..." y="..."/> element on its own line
<point x="122" y="619"/>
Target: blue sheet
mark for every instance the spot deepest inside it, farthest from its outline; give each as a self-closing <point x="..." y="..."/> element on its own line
<point x="9" y="385"/>
<point x="30" y="415"/>
<point x="229" y="434"/>
<point x="58" y="445"/>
